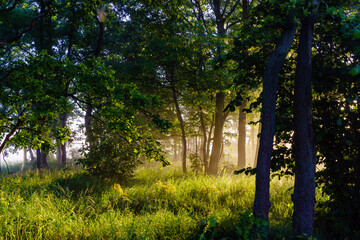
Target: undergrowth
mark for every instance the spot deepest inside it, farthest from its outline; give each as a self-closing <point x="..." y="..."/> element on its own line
<point x="155" y="204"/>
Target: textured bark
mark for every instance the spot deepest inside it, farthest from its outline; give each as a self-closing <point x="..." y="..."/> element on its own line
<point x="218" y="134"/>
<point x="242" y="137"/>
<point x="220" y="116"/>
<point x="305" y="154"/>
<point x="270" y="84"/>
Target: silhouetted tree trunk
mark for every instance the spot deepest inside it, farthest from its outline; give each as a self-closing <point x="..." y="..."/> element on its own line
<point x="270" y="84"/>
<point x="305" y="153"/>
<point x="242" y="137"/>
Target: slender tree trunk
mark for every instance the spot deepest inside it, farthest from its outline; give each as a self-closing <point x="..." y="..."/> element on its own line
<point x="63" y="119"/>
<point x="89" y="107"/>
<point x="38" y="159"/>
<point x="181" y="121"/>
<point x="305" y="153"/>
<point x="210" y="139"/>
<point x="203" y="147"/>
<point x="242" y="137"/>
<point x="270" y="84"/>
<point x="220" y="116"/>
<point x="58" y="153"/>
<point x="256" y="146"/>
<point x="32" y="157"/>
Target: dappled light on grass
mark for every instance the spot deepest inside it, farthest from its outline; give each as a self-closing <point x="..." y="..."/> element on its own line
<point x="156" y="204"/>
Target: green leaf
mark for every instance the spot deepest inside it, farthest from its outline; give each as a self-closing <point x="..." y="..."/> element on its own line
<point x="339" y="122"/>
<point x="356" y="33"/>
<point x="354" y="71"/>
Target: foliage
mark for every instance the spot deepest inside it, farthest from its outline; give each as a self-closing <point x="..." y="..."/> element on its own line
<point x="155" y="204"/>
<point x="196" y="164"/>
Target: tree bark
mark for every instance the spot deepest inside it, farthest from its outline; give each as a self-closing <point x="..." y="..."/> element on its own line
<point x="63" y="119"/>
<point x="304" y="146"/>
<point x="220" y="117"/>
<point x="180" y="118"/>
<point x="203" y="146"/>
<point x="269" y="94"/>
<point x="242" y="137"/>
<point x="38" y="159"/>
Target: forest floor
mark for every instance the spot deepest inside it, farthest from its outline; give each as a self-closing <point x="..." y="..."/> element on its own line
<point x="156" y="204"/>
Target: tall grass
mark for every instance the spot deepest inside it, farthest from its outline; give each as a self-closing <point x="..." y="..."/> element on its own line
<point x="155" y="204"/>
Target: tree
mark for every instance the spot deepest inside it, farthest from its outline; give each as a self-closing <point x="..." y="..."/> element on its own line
<point x="305" y="153"/>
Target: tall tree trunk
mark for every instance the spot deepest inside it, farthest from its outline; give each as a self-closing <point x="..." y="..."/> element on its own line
<point x="256" y="146"/>
<point x="270" y="84"/>
<point x="305" y="153"/>
<point x="32" y="157"/>
<point x="180" y="118"/>
<point x="44" y="160"/>
<point x="38" y="159"/>
<point x="203" y="146"/>
<point x="89" y="107"/>
<point x="58" y="153"/>
<point x="242" y="137"/>
<point x="220" y="117"/>
<point x="210" y="138"/>
<point x="63" y="119"/>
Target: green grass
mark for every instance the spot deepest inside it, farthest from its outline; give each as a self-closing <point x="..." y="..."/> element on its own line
<point x="155" y="204"/>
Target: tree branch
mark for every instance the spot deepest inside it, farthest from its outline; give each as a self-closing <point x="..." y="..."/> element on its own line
<point x="10" y="8"/>
<point x="14" y="39"/>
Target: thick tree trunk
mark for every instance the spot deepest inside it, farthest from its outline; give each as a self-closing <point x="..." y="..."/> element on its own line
<point x="242" y="137"/>
<point x="270" y="84"/>
<point x="305" y="153"/>
<point x="44" y="160"/>
<point x="220" y="117"/>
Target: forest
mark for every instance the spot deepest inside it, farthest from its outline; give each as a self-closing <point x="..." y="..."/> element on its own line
<point x="180" y="119"/>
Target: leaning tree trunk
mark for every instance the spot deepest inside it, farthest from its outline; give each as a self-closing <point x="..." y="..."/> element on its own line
<point x="220" y="117"/>
<point x="304" y="146"/>
<point x="242" y="137"/>
<point x="181" y="121"/>
<point x="270" y="84"/>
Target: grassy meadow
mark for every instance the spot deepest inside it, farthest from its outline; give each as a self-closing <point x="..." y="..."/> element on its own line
<point x="156" y="204"/>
